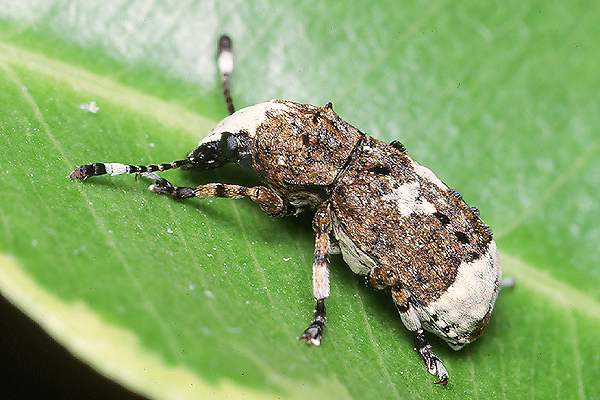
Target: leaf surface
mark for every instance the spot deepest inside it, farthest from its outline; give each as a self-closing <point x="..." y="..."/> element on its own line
<point x="208" y="297"/>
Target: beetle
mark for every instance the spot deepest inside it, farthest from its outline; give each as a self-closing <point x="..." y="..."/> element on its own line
<point x="392" y="219"/>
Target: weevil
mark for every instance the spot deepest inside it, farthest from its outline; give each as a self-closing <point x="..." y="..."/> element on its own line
<point x="393" y="220"/>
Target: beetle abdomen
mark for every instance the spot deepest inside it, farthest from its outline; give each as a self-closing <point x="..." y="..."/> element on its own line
<point x="403" y="217"/>
<point x="461" y="313"/>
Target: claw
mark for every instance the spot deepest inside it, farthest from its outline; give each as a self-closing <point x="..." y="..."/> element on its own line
<point x="80" y="173"/>
<point x="442" y="373"/>
<point x="162" y="186"/>
<point x="434" y="365"/>
<point x="312" y="334"/>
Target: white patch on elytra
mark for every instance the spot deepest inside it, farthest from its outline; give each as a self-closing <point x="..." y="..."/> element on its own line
<point x="467" y="301"/>
<point x="408" y="200"/>
<point x="247" y="119"/>
<point x="428" y="175"/>
<point x="358" y="261"/>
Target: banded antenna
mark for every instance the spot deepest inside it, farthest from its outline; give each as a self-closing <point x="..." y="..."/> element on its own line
<point x="225" y="63"/>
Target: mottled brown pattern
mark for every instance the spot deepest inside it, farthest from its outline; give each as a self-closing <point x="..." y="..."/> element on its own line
<point x="381" y="278"/>
<point x="425" y="250"/>
<point x="306" y="146"/>
<point x="401" y="297"/>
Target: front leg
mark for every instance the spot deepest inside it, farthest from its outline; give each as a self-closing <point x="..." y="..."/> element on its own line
<point x="268" y="199"/>
<point x="322" y="228"/>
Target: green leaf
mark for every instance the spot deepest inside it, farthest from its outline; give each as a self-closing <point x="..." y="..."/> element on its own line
<point x="197" y="298"/>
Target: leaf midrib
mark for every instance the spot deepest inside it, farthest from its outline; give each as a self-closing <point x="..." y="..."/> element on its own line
<point x="175" y="116"/>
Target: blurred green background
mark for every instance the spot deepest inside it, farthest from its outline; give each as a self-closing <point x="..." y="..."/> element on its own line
<point x="207" y="297"/>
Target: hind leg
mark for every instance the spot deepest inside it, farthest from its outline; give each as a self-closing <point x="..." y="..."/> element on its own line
<point x="412" y="323"/>
<point x="383" y="278"/>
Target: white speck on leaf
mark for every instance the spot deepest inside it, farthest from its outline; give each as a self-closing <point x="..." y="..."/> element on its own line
<point x="209" y="294"/>
<point x="206" y="331"/>
<point x="286" y="259"/>
<point x="34" y="243"/>
<point x="169" y="231"/>
<point x="90" y="107"/>
<point x="574" y="230"/>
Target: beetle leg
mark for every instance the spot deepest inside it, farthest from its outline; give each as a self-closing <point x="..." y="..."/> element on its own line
<point x="381" y="278"/>
<point x="322" y="228"/>
<point x="507" y="283"/>
<point x="268" y="199"/>
<point x="334" y="245"/>
<point x="432" y="362"/>
<point x="314" y="332"/>
<point x="412" y="323"/>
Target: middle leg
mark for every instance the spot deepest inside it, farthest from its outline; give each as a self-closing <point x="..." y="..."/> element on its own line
<point x="322" y="228"/>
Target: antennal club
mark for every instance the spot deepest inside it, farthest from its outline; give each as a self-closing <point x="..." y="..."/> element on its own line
<point x="225" y="63"/>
